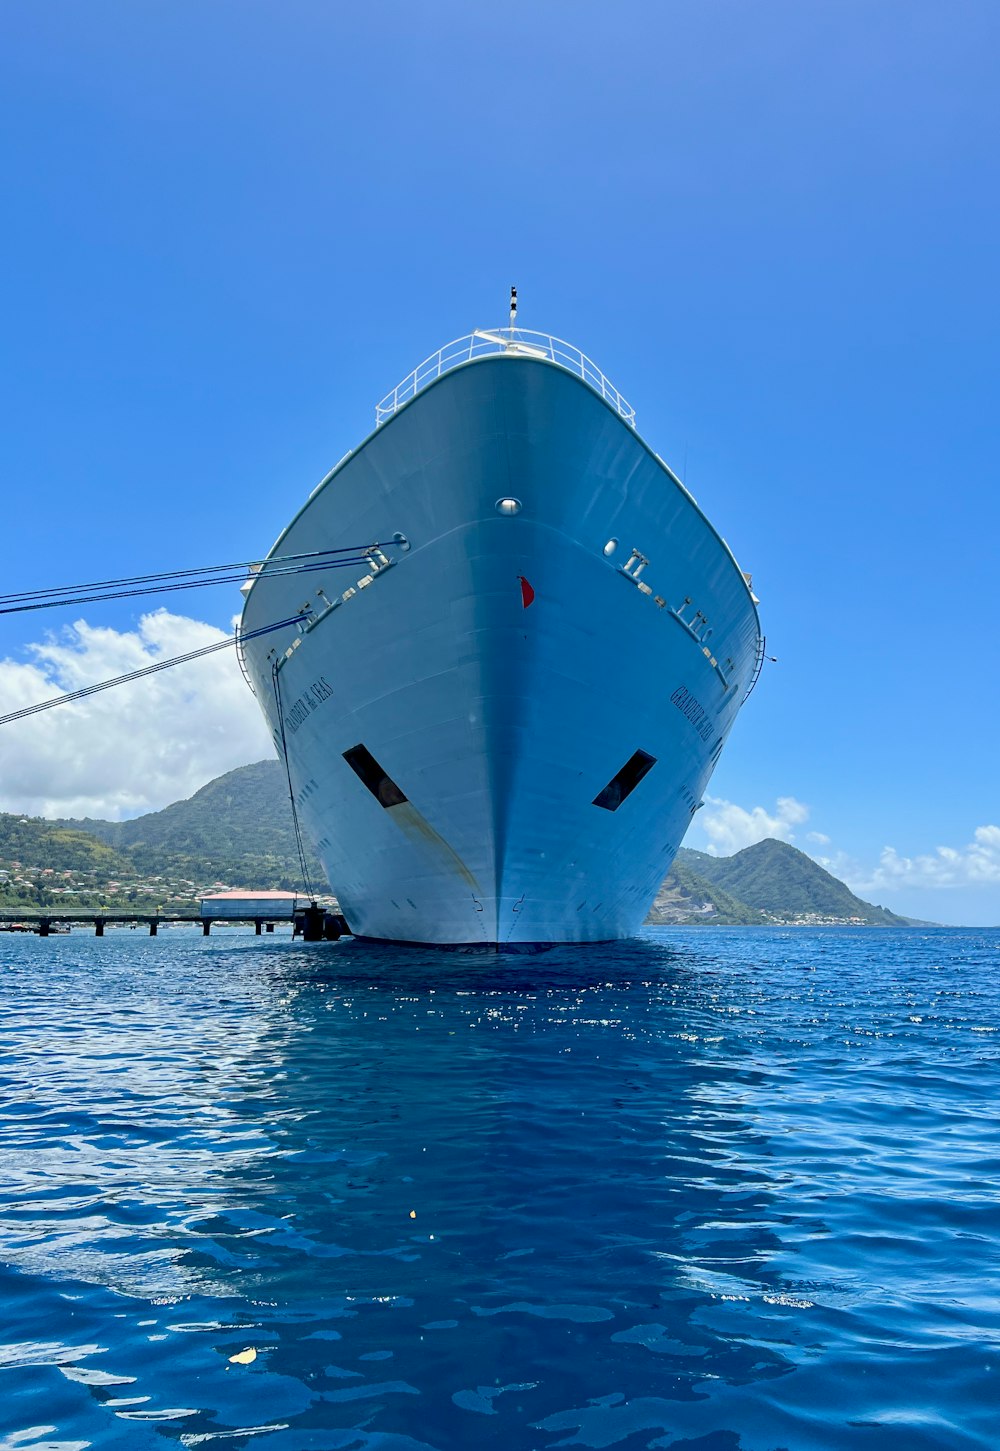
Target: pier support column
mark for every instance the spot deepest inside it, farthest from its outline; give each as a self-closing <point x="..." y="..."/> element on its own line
<point x="257" y="926"/>
<point x="206" y="927"/>
<point x="313" y="923"/>
<point x="152" y="927"/>
<point x="43" y="927"/>
<point x="269" y="926"/>
<point x="98" y="926"/>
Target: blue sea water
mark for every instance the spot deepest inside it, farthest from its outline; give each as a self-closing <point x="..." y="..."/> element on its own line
<point x="712" y="1190"/>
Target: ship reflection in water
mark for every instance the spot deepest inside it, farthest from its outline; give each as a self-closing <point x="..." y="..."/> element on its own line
<point x="342" y="1197"/>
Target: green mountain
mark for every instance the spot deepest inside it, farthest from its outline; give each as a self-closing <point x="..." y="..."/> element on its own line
<point x="685" y="898"/>
<point x="785" y="884"/>
<point x="59" y="846"/>
<point x="238" y="831"/>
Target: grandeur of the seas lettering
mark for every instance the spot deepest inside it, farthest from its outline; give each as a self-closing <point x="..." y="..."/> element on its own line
<point x="304" y="705"/>
<point x="692" y="710"/>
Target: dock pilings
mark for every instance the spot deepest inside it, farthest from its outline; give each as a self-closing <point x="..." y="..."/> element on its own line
<point x="313" y="923"/>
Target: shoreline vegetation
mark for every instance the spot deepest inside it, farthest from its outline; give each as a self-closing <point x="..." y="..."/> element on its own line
<point x="237" y="832"/>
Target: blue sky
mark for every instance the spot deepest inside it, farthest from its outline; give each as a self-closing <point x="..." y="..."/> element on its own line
<point x="230" y="228"/>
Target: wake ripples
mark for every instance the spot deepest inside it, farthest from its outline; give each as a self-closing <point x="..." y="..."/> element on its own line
<point x="713" y="1190"/>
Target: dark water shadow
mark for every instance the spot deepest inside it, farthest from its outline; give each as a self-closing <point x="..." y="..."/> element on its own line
<point x="457" y="1201"/>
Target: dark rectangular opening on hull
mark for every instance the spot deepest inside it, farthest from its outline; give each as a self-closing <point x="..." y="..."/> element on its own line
<point x="368" y="771"/>
<point x="625" y="781"/>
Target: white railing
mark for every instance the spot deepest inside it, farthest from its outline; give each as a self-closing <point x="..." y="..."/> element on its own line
<point x="513" y="342"/>
<point x="241" y="657"/>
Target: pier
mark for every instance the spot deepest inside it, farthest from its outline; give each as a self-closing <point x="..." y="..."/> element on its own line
<point x="313" y="924"/>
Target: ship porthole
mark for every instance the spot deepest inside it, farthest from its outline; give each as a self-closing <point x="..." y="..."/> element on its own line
<point x="508" y="506"/>
<point x="610" y="547"/>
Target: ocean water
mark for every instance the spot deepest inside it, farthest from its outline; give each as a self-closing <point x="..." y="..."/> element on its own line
<point x="712" y="1190"/>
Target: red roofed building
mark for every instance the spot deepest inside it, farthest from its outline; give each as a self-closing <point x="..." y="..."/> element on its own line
<point x="243" y="906"/>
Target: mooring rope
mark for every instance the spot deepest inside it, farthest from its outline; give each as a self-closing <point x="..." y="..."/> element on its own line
<point x="315" y="560"/>
<point x="145" y="670"/>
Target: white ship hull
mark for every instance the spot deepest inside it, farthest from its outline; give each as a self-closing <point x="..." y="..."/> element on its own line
<point x="449" y="728"/>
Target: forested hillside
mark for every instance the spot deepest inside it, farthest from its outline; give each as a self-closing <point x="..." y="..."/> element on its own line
<point x="237" y="829"/>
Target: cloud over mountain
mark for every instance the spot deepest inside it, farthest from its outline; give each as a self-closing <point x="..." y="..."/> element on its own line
<point x="134" y="748"/>
<point x="976" y="864"/>
<point x="729" y="828"/>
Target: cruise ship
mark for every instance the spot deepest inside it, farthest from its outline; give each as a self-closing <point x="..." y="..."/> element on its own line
<point x="499" y="719"/>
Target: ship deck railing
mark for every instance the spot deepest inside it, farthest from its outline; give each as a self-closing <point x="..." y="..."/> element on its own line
<point x="758" y="666"/>
<point x="241" y="652"/>
<point x="509" y="342"/>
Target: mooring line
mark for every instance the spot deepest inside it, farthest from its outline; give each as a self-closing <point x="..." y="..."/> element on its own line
<point x="146" y="670"/>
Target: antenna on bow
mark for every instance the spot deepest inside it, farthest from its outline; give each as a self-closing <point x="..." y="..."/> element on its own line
<point x="513" y="307"/>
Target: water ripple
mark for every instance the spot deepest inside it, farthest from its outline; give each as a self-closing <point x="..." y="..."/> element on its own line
<point x="714" y="1190"/>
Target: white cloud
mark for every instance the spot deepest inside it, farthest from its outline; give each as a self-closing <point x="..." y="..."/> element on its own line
<point x="730" y="828"/>
<point x="974" y="865"/>
<point x="132" y="749"/>
<point x="818" y="838"/>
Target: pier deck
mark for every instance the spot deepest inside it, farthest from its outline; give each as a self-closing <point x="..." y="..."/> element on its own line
<point x="314" y="924"/>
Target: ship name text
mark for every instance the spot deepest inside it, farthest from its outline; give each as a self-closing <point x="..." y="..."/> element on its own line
<point x="693" y="711"/>
<point x="304" y="705"/>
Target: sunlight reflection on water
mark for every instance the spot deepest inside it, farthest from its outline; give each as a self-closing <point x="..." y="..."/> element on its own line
<point x="677" y="1192"/>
